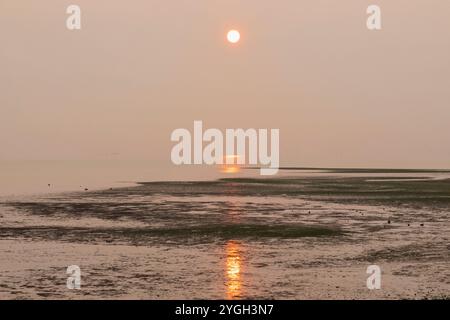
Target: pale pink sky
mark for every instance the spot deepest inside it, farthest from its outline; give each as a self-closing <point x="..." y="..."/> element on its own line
<point x="340" y="94"/>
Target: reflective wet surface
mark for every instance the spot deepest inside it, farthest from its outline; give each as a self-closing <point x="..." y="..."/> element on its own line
<point x="286" y="238"/>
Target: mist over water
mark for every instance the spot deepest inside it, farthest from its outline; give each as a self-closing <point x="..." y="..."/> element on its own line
<point x="34" y="177"/>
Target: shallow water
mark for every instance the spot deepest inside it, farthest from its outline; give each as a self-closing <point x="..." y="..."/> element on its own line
<point x="293" y="237"/>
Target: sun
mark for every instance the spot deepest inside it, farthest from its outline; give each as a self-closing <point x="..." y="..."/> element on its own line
<point x="233" y="36"/>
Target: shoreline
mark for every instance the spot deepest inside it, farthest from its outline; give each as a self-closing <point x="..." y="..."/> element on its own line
<point x="154" y="236"/>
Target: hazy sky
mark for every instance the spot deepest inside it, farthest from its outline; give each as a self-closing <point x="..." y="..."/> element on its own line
<point x="340" y="94"/>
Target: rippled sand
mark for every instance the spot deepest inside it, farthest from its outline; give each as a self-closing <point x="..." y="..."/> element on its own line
<point x="286" y="238"/>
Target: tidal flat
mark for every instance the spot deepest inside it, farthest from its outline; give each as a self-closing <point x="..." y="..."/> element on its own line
<point x="292" y="237"/>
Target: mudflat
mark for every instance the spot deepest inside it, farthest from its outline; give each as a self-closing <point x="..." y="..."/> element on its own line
<point x="291" y="237"/>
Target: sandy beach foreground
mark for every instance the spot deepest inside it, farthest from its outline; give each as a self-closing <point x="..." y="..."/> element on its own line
<point x="295" y="237"/>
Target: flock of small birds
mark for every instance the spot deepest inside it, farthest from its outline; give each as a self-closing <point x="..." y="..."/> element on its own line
<point x="309" y="212"/>
<point x="85" y="189"/>
<point x="389" y="222"/>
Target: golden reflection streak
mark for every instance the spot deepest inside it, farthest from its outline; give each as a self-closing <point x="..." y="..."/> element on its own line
<point x="233" y="270"/>
<point x="232" y="167"/>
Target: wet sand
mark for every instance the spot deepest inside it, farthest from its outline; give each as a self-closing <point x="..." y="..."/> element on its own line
<point x="295" y="237"/>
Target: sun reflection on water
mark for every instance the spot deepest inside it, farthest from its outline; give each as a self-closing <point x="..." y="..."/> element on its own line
<point x="230" y="164"/>
<point x="233" y="270"/>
